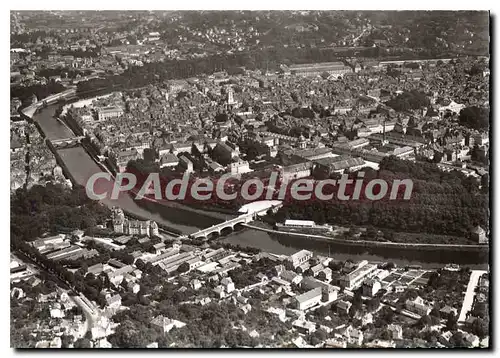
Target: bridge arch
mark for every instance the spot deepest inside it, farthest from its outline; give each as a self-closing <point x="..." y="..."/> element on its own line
<point x="231" y="225"/>
<point x="226" y="230"/>
<point x="213" y="235"/>
<point x="238" y="227"/>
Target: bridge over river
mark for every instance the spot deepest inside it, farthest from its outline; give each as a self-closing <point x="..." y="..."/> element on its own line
<point x="66" y="142"/>
<point x="253" y="210"/>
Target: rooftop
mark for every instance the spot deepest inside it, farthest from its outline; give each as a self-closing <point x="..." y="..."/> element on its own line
<point x="315" y="292"/>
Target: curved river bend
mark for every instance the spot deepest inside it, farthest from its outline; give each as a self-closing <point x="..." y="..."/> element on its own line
<point x="82" y="166"/>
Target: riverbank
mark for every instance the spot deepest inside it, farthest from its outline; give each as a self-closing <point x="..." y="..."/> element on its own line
<point x="365" y="243"/>
<point x="284" y="244"/>
<point x="83" y="102"/>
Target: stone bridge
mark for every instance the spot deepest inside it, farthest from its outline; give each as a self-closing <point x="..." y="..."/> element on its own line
<point x="30" y="111"/>
<point x="66" y="142"/>
<point x="232" y="224"/>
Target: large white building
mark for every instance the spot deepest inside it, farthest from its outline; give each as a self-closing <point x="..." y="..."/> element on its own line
<point x="240" y="167"/>
<point x="309" y="299"/>
<point x="317" y="69"/>
<point x="417" y="306"/>
<point x="133" y="227"/>
<point x="300" y="257"/>
<point x="109" y="112"/>
<point x="355" y="278"/>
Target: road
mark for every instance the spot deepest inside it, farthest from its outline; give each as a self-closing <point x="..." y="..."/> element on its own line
<point x="470" y="293"/>
<point x="91" y="312"/>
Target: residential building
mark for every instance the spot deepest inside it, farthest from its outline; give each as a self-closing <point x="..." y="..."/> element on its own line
<point x="325" y="167"/>
<point x="108" y="113"/>
<point x="113" y="301"/>
<point x="379" y="343"/>
<point x="481" y="138"/>
<point x="300" y="257"/>
<point x="195" y="284"/>
<point x="228" y="284"/>
<point x="167" y="324"/>
<point x="291" y="277"/>
<point x="395" y="331"/>
<point x="343" y="306"/>
<point x="296" y="171"/>
<point x="358" y="143"/>
<point x="478" y="234"/>
<point x="177" y="148"/>
<point x="355" y="278"/>
<point x="417" y="306"/>
<point x="185" y="164"/>
<point x="317" y="69"/>
<point x="240" y="167"/>
<point x="309" y="299"/>
<point x="297" y="225"/>
<point x="354" y="336"/>
<point x="336" y="342"/>
<point x="219" y="291"/>
<point x="133" y="287"/>
<point x="471" y="339"/>
<point x="124" y="156"/>
<point x="225" y="153"/>
<point x="371" y="287"/>
<point x="304" y="327"/>
<point x="169" y="160"/>
<point x="446" y="310"/>
<point x="329" y="292"/>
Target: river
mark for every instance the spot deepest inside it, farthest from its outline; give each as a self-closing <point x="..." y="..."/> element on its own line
<point x="82" y="166"/>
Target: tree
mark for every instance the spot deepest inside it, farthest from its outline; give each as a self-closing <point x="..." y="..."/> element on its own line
<point x="130" y="335"/>
<point x="357" y="300"/>
<point x="371" y="232"/>
<point x="386" y="315"/>
<point x="434" y="320"/>
<point x="425" y="321"/>
<point x="318" y="337"/>
<point x="480" y="328"/>
<point x="66" y="340"/>
<point x="438" y="156"/>
<point x="82" y="343"/>
<point x="434" y="280"/>
<point x="411" y="294"/>
<point x="373" y="304"/>
<point x="452" y="322"/>
<point x="335" y="265"/>
<point x="322" y="312"/>
<point x="58" y="111"/>
<point x="475" y="118"/>
<point x="435" y="313"/>
<point x="184" y="267"/>
<point x="140" y="264"/>
<point x="385" y="335"/>
<point x="409" y="100"/>
<point x="388" y="235"/>
<point x="457" y="340"/>
<point x="390" y="265"/>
